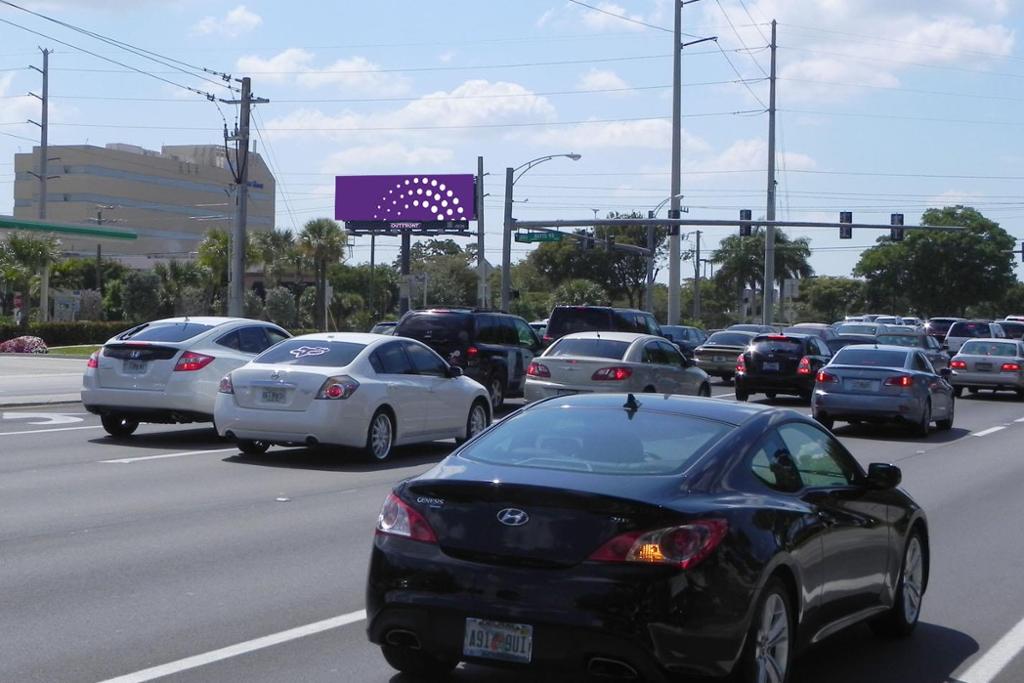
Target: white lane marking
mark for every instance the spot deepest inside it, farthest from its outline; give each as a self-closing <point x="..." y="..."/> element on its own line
<point x="47" y="418"/>
<point x="986" y="432"/>
<point x="990" y="664"/>
<point x="47" y="431"/>
<point x="1019" y="419"/>
<point x="125" y="461"/>
<point x="239" y="649"/>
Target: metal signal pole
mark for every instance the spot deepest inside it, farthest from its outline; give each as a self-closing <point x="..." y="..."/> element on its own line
<point x="768" y="311"/>
<point x="673" y="240"/>
<point x="481" y="260"/>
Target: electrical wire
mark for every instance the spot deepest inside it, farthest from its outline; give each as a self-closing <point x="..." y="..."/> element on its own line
<point x="625" y="18"/>
<point x="741" y="77"/>
<point x="916" y="91"/>
<point x="753" y="23"/>
<point x="271" y="156"/>
<point x="897" y="117"/>
<point x="740" y="38"/>
<point x="882" y="60"/>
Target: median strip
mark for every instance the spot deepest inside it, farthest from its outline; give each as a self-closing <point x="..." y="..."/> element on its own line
<point x="125" y="461"/>
<point x="239" y="649"/>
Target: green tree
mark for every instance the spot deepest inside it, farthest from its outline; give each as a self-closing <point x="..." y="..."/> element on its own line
<point x="740" y="262"/>
<point x="177" y="278"/>
<point x="215" y="255"/>
<point x="279" y="307"/>
<point x="28" y="256"/>
<point x="346" y="279"/>
<point x="829" y="298"/>
<point x="140" y="295"/>
<point x="579" y="292"/>
<point x="323" y="241"/>
<point x="274" y="249"/>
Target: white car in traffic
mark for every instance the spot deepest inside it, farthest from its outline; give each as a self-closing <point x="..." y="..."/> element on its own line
<point x="168" y="371"/>
<point x="587" y="362"/>
<point x="365" y="391"/>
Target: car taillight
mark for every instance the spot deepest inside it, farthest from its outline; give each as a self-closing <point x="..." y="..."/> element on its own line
<point x="547" y="339"/>
<point x="338" y="388"/>
<point x="805" y="366"/>
<point x="537" y="370"/>
<point x="958" y="364"/>
<point x="612" y="374"/>
<point x="900" y="381"/>
<point x="825" y="377"/>
<point x="94" y="360"/>
<point x="472" y="355"/>
<point x="398" y="519"/>
<point x="226" y="387"/>
<point x="741" y="365"/>
<point x="683" y="546"/>
<point x="191" y="361"/>
<point x="1010" y="367"/>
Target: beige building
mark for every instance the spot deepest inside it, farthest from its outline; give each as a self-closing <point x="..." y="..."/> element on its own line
<point x="169" y="198"/>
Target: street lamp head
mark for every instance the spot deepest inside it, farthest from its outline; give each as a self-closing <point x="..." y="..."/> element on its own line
<point x="574" y="156"/>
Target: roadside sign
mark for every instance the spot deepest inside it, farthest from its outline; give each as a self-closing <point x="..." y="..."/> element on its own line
<point x="538" y="237"/>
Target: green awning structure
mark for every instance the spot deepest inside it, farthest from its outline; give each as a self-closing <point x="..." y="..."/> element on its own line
<point x="11" y="223"/>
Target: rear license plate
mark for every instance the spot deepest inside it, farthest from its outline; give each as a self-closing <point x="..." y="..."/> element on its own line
<point x="273" y="396"/>
<point x="772" y="367"/>
<point x="983" y="367"/>
<point x="135" y="367"/>
<point x="498" y="640"/>
<point x="720" y="359"/>
<point x="861" y="385"/>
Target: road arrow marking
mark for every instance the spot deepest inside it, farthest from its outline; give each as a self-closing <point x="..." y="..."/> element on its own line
<point x="43" y="418"/>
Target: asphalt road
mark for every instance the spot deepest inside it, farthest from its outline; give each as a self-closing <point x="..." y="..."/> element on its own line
<point x="164" y="549"/>
<point x="28" y="378"/>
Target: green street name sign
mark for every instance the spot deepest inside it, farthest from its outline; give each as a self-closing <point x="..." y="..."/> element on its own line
<point x="538" y="237"/>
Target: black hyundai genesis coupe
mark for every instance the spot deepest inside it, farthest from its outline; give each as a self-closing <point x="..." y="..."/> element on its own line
<point x="644" y="537"/>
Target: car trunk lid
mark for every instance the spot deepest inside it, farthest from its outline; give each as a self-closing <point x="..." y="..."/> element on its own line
<point x="137" y="365"/>
<point x="273" y="388"/>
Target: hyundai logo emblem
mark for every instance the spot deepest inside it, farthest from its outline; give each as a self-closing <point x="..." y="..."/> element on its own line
<point x="513" y="517"/>
<point x="135" y="355"/>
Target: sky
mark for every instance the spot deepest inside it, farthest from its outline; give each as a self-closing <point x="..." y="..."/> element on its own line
<point x="882" y="106"/>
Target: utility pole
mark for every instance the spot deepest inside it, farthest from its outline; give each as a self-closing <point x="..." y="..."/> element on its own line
<point x="696" y="280"/>
<point x="506" y="243"/>
<point x="481" y="260"/>
<point x="649" y="289"/>
<point x="403" y="289"/>
<point x="673" y="240"/>
<point x="236" y="271"/>
<point x="43" y="176"/>
<point x="767" y="313"/>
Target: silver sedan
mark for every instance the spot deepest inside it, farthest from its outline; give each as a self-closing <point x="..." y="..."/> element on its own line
<point x="996" y="364"/>
<point x="589" y="362"/>
<point x="883" y="384"/>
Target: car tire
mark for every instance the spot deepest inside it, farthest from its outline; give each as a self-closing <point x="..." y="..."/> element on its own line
<point x="805" y="396"/>
<point x="826" y="422"/>
<point x="380" y="436"/>
<point x="416" y="663"/>
<point x="496" y="390"/>
<point x="766" y="646"/>
<point x="972" y="391"/>
<point x="899" y="621"/>
<point x="477" y="421"/>
<point x="119" y="425"/>
<point x="742" y="395"/>
<point x="923" y="427"/>
<point x="947" y="424"/>
<point x="250" y="447"/>
<point x="704" y="391"/>
<point x="1020" y="394"/>
<point x="958" y="391"/>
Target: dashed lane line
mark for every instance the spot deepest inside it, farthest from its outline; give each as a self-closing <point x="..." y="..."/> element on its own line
<point x="989" y="665"/>
<point x="990" y="430"/>
<point x="125" y="461"/>
<point x="239" y="649"/>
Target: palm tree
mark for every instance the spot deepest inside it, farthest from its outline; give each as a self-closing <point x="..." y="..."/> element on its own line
<point x="28" y="255"/>
<point x="740" y="262"/>
<point x="323" y="241"/>
<point x="274" y="249"/>
<point x="175" y="277"/>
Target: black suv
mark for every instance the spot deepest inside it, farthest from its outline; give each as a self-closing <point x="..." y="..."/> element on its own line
<point x="780" y="364"/>
<point x="493" y="348"/>
<point x="568" y="319"/>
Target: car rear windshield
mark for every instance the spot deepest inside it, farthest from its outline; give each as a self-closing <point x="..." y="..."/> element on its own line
<point x="777" y="345"/>
<point x="1012" y="329"/>
<point x="980" y="348"/>
<point x="436" y="327"/>
<point x="597" y="440"/>
<point x="856" y="329"/>
<point x="970" y="330"/>
<point x="594" y="348"/>
<point x="728" y="339"/>
<point x="875" y="358"/>
<point x="165" y="332"/>
<point x="908" y="340"/>
<point x="315" y="352"/>
<point x="568" y="320"/>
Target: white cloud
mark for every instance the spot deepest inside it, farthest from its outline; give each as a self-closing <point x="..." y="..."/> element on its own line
<point x="602" y="79"/>
<point x="17" y="108"/>
<point x="599" y="21"/>
<point x="388" y="156"/>
<point x="649" y="134"/>
<point x="236" y="22"/>
<point x="296" y="65"/>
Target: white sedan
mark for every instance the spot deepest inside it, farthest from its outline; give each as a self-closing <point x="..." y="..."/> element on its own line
<point x="365" y="391"/>
<point x="169" y="370"/>
<point x="587" y="362"/>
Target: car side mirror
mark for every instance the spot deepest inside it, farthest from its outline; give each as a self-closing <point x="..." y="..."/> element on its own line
<point x="884" y="476"/>
<point x="454" y="371"/>
<point x="945" y="373"/>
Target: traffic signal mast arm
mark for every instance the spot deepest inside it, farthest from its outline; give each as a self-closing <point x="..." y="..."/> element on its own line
<point x="711" y="223"/>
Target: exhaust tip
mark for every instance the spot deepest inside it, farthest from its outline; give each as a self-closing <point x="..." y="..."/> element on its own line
<point x="312" y="441"/>
<point x="603" y="667"/>
<point x="401" y="638"/>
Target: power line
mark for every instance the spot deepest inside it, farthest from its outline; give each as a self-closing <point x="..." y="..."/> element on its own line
<point x="860" y="58"/>
<point x="918" y="91"/>
<point x="271" y="157"/>
<point x="897" y="117"/>
<point x="740" y="38"/>
<point x="741" y="77"/>
<point x="623" y="17"/>
<point x="753" y="23"/>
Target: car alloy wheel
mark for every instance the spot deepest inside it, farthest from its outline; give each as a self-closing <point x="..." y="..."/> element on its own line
<point x="477" y="421"/>
<point x="380" y="437"/>
<point x="902" y="617"/>
<point x="947" y="424"/>
<point x="924" y="426"/>
<point x="769" y="650"/>
<point x="497" y="392"/>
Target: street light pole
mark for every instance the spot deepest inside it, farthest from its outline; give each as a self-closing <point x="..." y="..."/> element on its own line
<point x="673" y="240"/>
<point x="506" y="243"/>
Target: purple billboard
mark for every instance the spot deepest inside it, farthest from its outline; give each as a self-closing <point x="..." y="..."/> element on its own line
<point x="405" y="198"/>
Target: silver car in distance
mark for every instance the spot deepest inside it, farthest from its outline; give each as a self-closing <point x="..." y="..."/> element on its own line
<point x="996" y="364"/>
<point x="365" y="391"/>
<point x="883" y="384"/>
<point x="590" y="362"/>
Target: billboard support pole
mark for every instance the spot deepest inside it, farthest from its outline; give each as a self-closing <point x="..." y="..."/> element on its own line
<point x="403" y="296"/>
<point x="481" y="260"/>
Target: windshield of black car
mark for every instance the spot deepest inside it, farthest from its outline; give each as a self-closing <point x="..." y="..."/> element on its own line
<point x="908" y="340"/>
<point x="597" y="440"/>
<point x="594" y="348"/>
<point x="870" y="357"/>
<point x="980" y="348"/>
<point x="315" y="352"/>
<point x="568" y="320"/>
<point x="728" y="339"/>
<point x="777" y="345"/>
<point x="970" y="330"/>
<point x="436" y="327"/>
<point x="165" y="332"/>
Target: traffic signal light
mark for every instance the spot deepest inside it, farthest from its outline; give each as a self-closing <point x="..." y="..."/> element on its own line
<point x="846" y="231"/>
<point x="745" y="215"/>
<point x="896" y="231"/>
